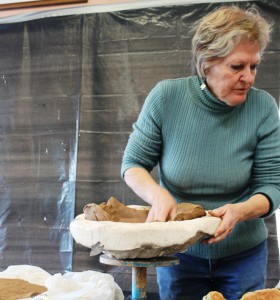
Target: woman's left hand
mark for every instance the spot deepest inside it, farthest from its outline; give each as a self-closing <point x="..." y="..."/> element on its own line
<point x="230" y="216"/>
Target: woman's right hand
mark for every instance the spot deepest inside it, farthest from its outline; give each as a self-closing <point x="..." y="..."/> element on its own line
<point x="163" y="207"/>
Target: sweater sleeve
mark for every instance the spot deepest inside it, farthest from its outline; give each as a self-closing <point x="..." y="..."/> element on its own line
<point x="144" y="145"/>
<point x="266" y="168"/>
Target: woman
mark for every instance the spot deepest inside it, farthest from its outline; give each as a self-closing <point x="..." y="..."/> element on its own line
<point x="216" y="140"/>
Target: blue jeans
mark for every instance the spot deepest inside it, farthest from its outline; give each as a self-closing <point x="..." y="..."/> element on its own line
<point x="232" y="276"/>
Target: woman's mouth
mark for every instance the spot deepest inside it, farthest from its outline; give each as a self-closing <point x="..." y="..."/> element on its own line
<point x="242" y="91"/>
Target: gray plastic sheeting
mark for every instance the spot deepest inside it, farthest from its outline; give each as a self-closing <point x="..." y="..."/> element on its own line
<point x="39" y="111"/>
<point x="81" y="80"/>
<point x="95" y="7"/>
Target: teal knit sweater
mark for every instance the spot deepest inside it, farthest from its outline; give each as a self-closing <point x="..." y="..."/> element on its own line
<point x="210" y="153"/>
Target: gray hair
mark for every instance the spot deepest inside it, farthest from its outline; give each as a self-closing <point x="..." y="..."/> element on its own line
<point x="220" y="31"/>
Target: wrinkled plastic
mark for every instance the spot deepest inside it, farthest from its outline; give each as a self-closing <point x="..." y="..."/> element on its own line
<point x="87" y="285"/>
<point x="32" y="274"/>
<point x="39" y="117"/>
<point x="269" y="3"/>
<point x="80" y="80"/>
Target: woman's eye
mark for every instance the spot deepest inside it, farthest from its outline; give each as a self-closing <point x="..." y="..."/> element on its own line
<point x="237" y="67"/>
<point x="241" y="67"/>
<point x="254" y="67"/>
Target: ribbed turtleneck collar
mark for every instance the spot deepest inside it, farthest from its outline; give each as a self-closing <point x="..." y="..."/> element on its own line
<point x="208" y="100"/>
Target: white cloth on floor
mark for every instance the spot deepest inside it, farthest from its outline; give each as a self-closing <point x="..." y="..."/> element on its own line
<point x="86" y="285"/>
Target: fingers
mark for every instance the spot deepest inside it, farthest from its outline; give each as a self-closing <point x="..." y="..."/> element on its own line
<point x="161" y="212"/>
<point x="218" y="212"/>
<point x="218" y="237"/>
<point x="151" y="216"/>
<point x="157" y="215"/>
<point x="172" y="213"/>
<point x="229" y="216"/>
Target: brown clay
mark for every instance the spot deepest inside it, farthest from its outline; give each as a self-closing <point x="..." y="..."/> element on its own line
<point x="214" y="295"/>
<point x="115" y="211"/>
<point x="266" y="294"/>
<point x="12" y="289"/>
<point x="188" y="211"/>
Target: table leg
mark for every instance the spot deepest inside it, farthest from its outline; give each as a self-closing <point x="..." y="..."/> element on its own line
<point x="139" y="275"/>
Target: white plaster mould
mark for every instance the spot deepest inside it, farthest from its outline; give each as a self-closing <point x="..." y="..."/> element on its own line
<point x="141" y="240"/>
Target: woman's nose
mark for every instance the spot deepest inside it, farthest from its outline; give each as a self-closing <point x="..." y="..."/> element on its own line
<point x="248" y="75"/>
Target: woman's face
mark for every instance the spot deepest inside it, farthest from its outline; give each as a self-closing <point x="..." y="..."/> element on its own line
<point x="231" y="77"/>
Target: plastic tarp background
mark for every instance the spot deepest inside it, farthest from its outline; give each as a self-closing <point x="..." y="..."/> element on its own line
<point x="39" y="112"/>
<point x="70" y="89"/>
<point x="86" y="285"/>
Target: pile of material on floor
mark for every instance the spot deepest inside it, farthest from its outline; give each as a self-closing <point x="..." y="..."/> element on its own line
<point x="24" y="282"/>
